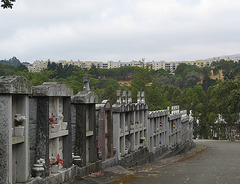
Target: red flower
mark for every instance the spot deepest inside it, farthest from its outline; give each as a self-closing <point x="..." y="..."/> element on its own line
<point x="59" y="161"/>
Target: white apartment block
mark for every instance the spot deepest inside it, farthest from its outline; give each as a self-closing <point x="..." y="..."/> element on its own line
<point x="155" y="65"/>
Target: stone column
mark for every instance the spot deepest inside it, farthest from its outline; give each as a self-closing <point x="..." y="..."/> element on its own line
<point x="92" y="141"/>
<point x="119" y="101"/>
<point x="14" y="149"/>
<point x="124" y="97"/>
<point x="42" y="144"/>
<point x="101" y="131"/>
<point x="84" y="103"/>
<point x="143" y="97"/>
<point x="5" y="139"/>
<point x="138" y="97"/>
<point x="129" y="97"/>
<point x="67" y="142"/>
<point x="116" y="127"/>
<point x="80" y="148"/>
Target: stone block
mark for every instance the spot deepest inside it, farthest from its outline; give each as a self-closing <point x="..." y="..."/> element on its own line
<point x="52" y="89"/>
<point x="32" y="136"/>
<point x="14" y="85"/>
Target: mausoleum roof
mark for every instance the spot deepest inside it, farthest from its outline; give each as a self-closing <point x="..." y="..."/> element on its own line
<point x="14" y="85"/>
<point x="52" y="89"/>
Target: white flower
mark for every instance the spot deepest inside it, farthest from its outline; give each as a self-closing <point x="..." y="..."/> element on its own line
<point x="19" y="118"/>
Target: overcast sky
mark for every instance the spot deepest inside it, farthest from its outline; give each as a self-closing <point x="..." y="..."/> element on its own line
<point x="103" y="30"/>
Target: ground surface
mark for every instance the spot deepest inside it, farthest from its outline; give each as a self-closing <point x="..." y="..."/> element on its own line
<point x="211" y="162"/>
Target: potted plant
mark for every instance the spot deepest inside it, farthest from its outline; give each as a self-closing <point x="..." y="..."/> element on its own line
<point x="54" y="163"/>
<point x="19" y="128"/>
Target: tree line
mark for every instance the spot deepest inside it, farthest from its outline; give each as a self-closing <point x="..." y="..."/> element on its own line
<point x="189" y="86"/>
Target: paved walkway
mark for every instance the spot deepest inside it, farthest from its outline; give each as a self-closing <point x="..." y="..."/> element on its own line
<point x="218" y="163"/>
<point x="211" y="162"/>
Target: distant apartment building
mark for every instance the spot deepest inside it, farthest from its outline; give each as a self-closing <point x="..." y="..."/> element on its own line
<point x="154" y="65"/>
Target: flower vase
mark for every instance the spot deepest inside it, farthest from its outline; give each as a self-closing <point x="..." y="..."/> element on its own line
<point x="19" y="131"/>
<point x="55" y="128"/>
<point x="38" y="170"/>
<point x="64" y="126"/>
<point x="54" y="169"/>
<point x="131" y="127"/>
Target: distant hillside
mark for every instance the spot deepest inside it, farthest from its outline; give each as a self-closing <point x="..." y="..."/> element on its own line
<point x="12" y="61"/>
<point x="227" y="57"/>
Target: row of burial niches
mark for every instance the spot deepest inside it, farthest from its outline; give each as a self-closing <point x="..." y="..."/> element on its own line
<point x="19" y="137"/>
<point x="158" y="131"/>
<point x="133" y="130"/>
<point x="57" y="132"/>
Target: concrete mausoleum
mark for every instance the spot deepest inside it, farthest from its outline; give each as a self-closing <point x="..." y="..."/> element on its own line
<point x="53" y="123"/>
<point x="85" y="124"/>
<point x="104" y="130"/>
<point x="129" y="123"/>
<point x="14" y="135"/>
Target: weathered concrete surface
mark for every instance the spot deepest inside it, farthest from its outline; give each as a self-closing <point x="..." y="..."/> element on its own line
<point x="5" y="144"/>
<point x="219" y="163"/>
<point x="52" y="89"/>
<point x="14" y="85"/>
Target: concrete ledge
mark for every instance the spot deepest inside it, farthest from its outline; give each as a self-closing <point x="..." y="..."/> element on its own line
<point x="90" y="168"/>
<point x="109" y="162"/>
<point x="62" y="176"/>
<point x="139" y="157"/>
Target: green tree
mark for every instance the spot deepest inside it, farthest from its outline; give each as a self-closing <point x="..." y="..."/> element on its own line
<point x="75" y="81"/>
<point x="7" y="3"/>
<point x="37" y="78"/>
<point x="111" y="94"/>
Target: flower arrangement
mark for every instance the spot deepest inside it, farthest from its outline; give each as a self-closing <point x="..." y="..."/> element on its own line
<point x="142" y="139"/>
<point x="174" y="125"/>
<point x="52" y="121"/>
<point x="160" y="124"/>
<point x="98" y="147"/>
<point x="136" y="122"/>
<point x="19" y="119"/>
<point x="56" y="160"/>
<point x="131" y="123"/>
<point x="41" y="161"/>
